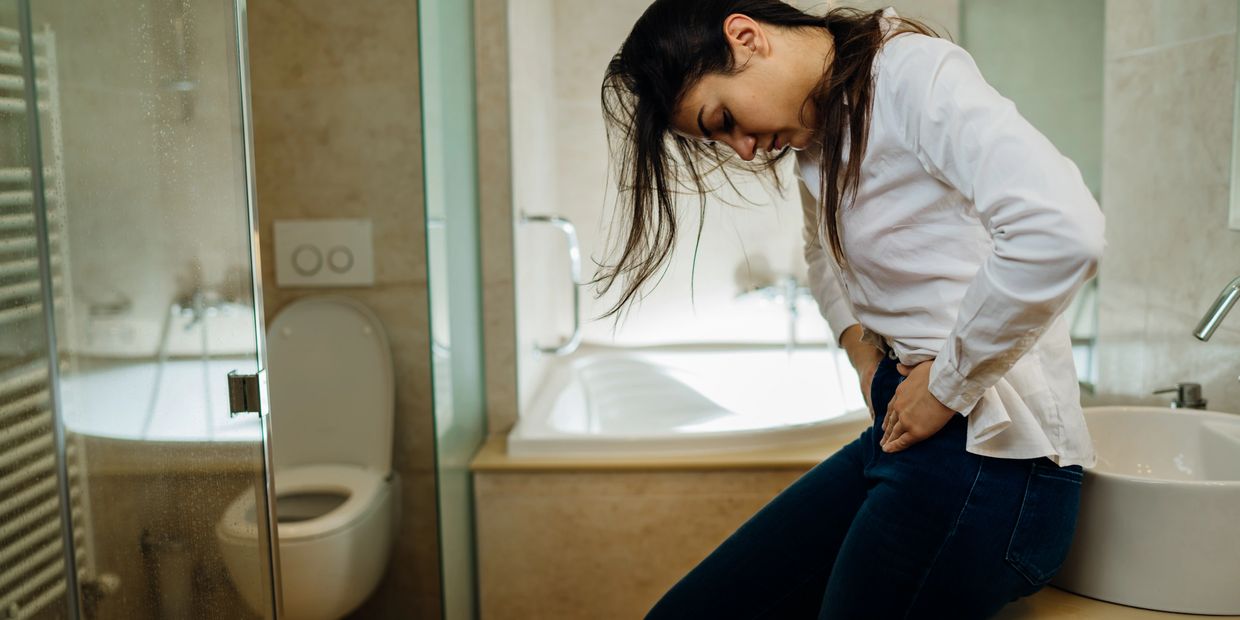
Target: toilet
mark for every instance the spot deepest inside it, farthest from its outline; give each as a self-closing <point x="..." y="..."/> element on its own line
<point x="332" y="396"/>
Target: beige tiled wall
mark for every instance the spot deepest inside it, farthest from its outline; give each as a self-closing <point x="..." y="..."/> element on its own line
<point x="1166" y="176"/>
<point x="496" y="213"/>
<point x="338" y="134"/>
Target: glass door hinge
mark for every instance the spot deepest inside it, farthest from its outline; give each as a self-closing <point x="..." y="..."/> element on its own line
<point x="245" y="393"/>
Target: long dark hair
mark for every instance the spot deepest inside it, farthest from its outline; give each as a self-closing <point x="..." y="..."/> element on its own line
<point x="674" y="44"/>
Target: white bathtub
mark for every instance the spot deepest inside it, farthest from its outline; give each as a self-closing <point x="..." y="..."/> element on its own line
<point x="602" y="402"/>
<point x="119" y="399"/>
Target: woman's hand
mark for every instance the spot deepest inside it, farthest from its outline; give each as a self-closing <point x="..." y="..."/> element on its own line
<point x="914" y="413"/>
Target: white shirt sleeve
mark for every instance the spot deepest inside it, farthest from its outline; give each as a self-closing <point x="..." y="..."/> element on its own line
<point x="824" y="282"/>
<point x="1046" y="227"/>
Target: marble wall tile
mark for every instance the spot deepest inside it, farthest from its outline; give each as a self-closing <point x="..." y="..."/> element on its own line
<point x="1134" y="26"/>
<point x="324" y="44"/>
<point x="496" y="213"/>
<point x="1131" y="25"/>
<point x="1166" y="183"/>
<point x="587" y="34"/>
<point x="603" y="545"/>
<point x="1185" y="20"/>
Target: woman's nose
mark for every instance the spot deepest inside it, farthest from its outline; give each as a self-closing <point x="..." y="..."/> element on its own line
<point x="745" y="146"/>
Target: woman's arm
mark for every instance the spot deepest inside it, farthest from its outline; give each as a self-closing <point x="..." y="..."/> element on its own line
<point x="1046" y="227"/>
<point x="829" y="293"/>
<point x="824" y="283"/>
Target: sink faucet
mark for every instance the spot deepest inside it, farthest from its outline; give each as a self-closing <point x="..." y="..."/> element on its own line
<point x="1187" y="396"/>
<point x="1221" y="307"/>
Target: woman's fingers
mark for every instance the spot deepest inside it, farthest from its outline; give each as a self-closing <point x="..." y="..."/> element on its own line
<point x="897" y="429"/>
<point x="899" y="442"/>
<point x="900" y="436"/>
<point x="890" y="421"/>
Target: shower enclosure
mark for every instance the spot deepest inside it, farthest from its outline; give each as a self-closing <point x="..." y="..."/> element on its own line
<point x="128" y="308"/>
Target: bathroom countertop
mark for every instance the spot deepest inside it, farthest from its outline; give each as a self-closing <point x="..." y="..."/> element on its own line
<point x="1054" y="604"/>
<point x="1048" y="604"/>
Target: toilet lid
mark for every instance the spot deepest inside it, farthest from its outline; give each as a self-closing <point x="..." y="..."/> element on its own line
<point x="331" y="385"/>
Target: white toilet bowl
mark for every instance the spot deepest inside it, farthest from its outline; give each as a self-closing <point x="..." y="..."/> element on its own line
<point x="336" y="524"/>
<point x="337" y="500"/>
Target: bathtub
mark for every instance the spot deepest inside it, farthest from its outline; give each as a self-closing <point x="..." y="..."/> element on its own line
<point x="608" y="402"/>
<point x="186" y="401"/>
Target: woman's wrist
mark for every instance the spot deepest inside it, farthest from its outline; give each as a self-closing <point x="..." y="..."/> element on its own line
<point x="862" y="355"/>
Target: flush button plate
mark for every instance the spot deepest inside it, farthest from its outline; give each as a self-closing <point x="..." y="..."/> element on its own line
<point x="324" y="253"/>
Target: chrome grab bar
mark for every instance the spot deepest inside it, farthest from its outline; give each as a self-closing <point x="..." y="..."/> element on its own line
<point x="574" y="257"/>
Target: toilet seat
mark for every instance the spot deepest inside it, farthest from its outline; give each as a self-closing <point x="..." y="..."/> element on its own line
<point x="360" y="486"/>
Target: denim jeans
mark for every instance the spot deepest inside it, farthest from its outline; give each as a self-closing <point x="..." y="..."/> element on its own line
<point x="929" y="532"/>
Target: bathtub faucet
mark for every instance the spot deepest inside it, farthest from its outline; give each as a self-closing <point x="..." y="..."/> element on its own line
<point x="197" y="305"/>
<point x="787" y="291"/>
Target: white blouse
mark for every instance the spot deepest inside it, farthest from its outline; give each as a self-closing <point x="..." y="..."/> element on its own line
<point x="969" y="235"/>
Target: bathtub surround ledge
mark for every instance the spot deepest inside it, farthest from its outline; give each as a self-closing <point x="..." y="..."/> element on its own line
<point x="494" y="457"/>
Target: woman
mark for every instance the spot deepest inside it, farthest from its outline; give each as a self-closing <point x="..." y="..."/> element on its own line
<point x="944" y="237"/>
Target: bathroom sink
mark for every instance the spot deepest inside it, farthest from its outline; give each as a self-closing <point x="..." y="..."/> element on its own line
<point x="1159" y="525"/>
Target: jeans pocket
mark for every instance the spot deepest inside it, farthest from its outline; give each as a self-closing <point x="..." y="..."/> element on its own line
<point x="1046" y="523"/>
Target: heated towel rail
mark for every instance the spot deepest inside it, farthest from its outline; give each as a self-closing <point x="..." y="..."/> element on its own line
<point x="33" y="561"/>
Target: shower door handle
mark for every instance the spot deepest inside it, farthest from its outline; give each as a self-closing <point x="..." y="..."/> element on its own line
<point x="574" y="258"/>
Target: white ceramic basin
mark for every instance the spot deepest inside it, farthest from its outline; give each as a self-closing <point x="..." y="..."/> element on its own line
<point x="1159" y="525"/>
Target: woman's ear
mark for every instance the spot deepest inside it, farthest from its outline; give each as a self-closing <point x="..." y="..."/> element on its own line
<point x="745" y="36"/>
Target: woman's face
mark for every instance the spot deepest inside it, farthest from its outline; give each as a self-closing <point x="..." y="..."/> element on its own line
<point x="762" y="106"/>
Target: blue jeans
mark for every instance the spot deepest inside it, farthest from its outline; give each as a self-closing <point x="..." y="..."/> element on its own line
<point x="929" y="532"/>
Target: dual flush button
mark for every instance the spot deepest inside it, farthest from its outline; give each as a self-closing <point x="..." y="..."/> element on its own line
<point x="308" y="259"/>
<point x="324" y="253"/>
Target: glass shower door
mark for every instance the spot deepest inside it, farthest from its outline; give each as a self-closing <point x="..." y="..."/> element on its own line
<point x="138" y="184"/>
